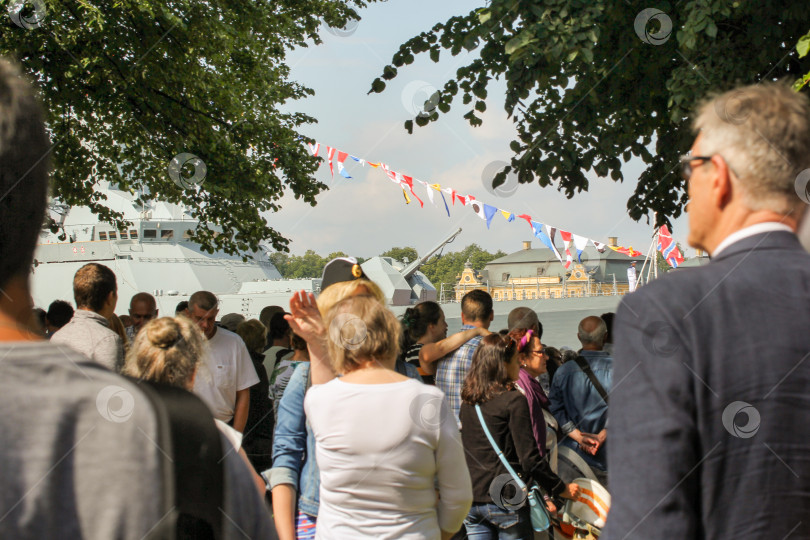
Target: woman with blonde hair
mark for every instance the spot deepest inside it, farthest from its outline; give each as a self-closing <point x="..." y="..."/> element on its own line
<point x="388" y="430"/>
<point x="295" y="477"/>
<point x="169" y="350"/>
<point x="117" y="326"/>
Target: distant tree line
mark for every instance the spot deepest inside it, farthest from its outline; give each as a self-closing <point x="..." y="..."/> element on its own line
<point x="440" y="268"/>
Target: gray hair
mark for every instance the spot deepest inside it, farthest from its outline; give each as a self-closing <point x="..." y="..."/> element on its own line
<point x="763" y="133"/>
<point x="595" y="337"/>
<point x="203" y="300"/>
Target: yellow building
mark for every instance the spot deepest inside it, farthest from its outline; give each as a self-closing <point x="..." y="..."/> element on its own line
<point x="537" y="273"/>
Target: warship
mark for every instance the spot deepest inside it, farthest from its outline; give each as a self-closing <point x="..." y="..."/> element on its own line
<point x="155" y="254"/>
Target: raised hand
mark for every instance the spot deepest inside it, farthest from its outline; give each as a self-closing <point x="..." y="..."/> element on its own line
<point x="305" y="318"/>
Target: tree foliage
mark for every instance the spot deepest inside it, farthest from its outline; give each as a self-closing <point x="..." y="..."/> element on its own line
<point x="130" y="84"/>
<point x="592" y="83"/>
<point x="400" y="254"/>
<point x="803" y="48"/>
<point x="438" y="269"/>
<point x="446" y="268"/>
<point x="308" y="265"/>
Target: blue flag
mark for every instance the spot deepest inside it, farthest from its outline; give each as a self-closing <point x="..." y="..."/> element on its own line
<point x="489" y="212"/>
<point x="445" y="204"/>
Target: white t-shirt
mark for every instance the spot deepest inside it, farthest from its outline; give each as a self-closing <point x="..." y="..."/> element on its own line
<point x="234" y="437"/>
<point x="225" y="369"/>
<point x="381" y="453"/>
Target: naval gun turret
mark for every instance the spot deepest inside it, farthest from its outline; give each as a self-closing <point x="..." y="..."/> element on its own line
<point x="402" y="282"/>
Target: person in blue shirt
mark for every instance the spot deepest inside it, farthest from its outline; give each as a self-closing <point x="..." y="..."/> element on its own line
<point x="577" y="405"/>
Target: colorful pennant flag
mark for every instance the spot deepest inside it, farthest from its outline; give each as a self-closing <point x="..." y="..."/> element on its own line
<point x="331" y="153"/>
<point x="408" y="181"/>
<point x="341" y="169"/>
<point x="528" y="218"/>
<point x="552" y="232"/>
<point x="489" y="213"/>
<point x="478" y="208"/>
<point x="566" y="236"/>
<point x="429" y="191"/>
<point x="537" y="229"/>
<point x="447" y="208"/>
<point x="580" y="242"/>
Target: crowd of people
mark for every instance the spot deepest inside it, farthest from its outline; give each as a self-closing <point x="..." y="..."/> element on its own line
<point x="334" y="419"/>
<point x="341" y="446"/>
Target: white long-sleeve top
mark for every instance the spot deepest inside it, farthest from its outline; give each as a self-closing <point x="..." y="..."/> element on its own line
<point x="382" y="450"/>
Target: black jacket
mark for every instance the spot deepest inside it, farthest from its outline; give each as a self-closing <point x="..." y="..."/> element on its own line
<point x="508" y="420"/>
<point x="710" y="408"/>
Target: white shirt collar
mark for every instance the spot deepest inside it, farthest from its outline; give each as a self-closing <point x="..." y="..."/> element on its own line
<point x="759" y="228"/>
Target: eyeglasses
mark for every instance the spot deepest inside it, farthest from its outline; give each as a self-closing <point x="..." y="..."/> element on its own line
<point x="687" y="169"/>
<point x="686" y="164"/>
<point x="540" y="352"/>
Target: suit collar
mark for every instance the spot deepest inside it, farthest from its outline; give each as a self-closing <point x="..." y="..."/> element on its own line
<point x="762" y="241"/>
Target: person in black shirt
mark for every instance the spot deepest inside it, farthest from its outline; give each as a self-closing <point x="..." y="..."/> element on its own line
<point x="497" y="510"/>
<point x="258" y="438"/>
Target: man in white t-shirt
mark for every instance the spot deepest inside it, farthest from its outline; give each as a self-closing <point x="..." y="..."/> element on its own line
<point x="226" y="374"/>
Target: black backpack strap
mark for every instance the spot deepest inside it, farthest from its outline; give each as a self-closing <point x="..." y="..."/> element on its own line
<point x="586" y="368"/>
<point x="196" y="486"/>
<point x="281" y="354"/>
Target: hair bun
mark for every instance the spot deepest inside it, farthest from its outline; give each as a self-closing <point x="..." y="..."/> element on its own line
<point x="164" y="333"/>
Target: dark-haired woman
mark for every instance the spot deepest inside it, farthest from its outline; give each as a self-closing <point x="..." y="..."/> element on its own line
<point x="532" y="359"/>
<point x="490" y="383"/>
<point x="425" y="338"/>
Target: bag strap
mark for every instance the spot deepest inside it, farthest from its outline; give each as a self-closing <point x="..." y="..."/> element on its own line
<point x="586" y="368"/>
<point x="495" y="447"/>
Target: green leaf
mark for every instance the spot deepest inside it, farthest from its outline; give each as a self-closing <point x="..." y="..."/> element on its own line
<point x="519" y="41"/>
<point x="389" y="72"/>
<point x="803" y="46"/>
<point x="711" y="29"/>
<point x="377" y="86"/>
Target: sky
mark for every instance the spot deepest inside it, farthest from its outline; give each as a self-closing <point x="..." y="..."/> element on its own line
<point x="367" y="214"/>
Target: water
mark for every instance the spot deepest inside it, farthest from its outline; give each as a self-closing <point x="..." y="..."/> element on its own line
<point x="560" y="317"/>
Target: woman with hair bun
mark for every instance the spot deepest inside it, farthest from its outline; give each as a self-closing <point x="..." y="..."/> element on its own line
<point x="425" y="340"/>
<point x="169" y="350"/>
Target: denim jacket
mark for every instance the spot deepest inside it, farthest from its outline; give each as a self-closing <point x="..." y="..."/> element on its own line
<point x="576" y="404"/>
<point x="294" y="445"/>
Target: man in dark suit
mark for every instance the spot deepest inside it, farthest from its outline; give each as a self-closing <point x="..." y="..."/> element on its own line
<point x="710" y="406"/>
